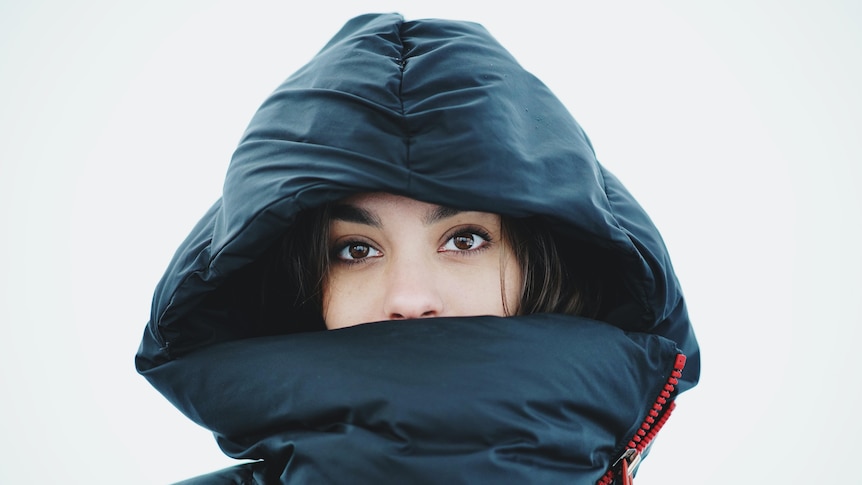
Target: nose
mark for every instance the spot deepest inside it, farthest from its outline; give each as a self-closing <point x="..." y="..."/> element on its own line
<point x="412" y="292"/>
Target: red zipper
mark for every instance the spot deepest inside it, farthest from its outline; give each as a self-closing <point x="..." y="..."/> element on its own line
<point x="658" y="415"/>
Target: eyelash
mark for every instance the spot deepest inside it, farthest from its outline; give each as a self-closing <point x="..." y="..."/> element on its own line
<point x="336" y="250"/>
<point x="471" y="230"/>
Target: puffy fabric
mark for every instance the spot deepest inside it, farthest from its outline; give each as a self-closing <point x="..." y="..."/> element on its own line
<point x="438" y="111"/>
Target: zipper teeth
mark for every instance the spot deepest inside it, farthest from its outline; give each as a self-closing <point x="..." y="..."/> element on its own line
<point x="655" y="419"/>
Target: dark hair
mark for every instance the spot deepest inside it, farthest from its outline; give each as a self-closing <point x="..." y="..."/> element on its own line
<point x="560" y="275"/>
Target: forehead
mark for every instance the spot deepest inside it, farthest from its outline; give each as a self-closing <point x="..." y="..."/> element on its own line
<point x="385" y="201"/>
<point x="371" y="208"/>
<point x="374" y="208"/>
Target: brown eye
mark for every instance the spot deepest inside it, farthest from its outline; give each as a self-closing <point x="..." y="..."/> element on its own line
<point x="358" y="251"/>
<point x="467" y="242"/>
<point x="463" y="241"/>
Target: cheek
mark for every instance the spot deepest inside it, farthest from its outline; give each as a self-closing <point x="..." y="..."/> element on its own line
<point x="481" y="291"/>
<point x="346" y="303"/>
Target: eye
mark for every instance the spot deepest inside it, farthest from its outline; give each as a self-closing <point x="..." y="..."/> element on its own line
<point x="355" y="251"/>
<point x="465" y="241"/>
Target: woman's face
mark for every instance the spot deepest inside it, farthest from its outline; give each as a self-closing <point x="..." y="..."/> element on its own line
<point x="395" y="258"/>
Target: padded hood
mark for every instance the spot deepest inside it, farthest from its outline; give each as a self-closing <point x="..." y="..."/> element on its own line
<point x="438" y="111"/>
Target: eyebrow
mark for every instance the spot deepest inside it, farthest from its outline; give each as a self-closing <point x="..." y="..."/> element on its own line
<point x="351" y="213"/>
<point x="358" y="215"/>
<point x="439" y="213"/>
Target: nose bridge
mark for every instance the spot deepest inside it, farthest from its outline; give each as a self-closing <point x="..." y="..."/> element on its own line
<point x="412" y="290"/>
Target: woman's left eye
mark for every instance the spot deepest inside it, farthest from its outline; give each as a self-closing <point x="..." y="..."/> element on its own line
<point x="465" y="241"/>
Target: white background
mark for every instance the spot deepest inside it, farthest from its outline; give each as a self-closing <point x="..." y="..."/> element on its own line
<point x="735" y="123"/>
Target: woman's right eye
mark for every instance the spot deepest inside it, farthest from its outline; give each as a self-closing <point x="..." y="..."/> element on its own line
<point x="357" y="251"/>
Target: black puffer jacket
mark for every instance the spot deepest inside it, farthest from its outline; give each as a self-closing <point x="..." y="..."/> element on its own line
<point x="437" y="111"/>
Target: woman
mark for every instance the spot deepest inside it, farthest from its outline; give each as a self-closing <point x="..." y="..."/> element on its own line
<point x="414" y="170"/>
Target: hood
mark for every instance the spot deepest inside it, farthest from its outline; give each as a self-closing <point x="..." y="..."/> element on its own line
<point x="431" y="109"/>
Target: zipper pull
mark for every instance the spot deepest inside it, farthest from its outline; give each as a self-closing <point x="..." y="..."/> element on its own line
<point x="625" y="475"/>
<point x="627" y="464"/>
